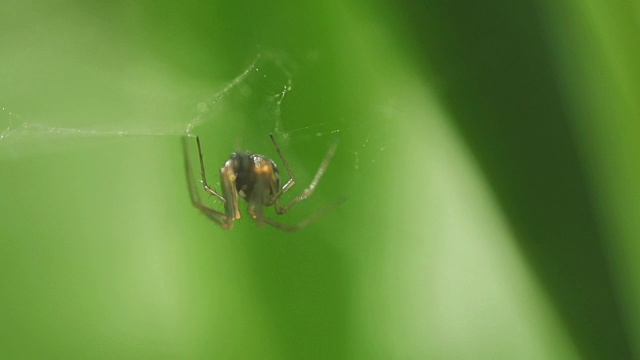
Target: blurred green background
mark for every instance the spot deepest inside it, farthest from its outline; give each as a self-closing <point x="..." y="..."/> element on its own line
<point x="488" y="151"/>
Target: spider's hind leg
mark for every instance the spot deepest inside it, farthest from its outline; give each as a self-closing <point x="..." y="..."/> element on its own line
<point x="304" y="223"/>
<point x="314" y="183"/>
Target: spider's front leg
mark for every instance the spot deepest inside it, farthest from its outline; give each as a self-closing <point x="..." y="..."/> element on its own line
<point x="220" y="218"/>
<point x="203" y="174"/>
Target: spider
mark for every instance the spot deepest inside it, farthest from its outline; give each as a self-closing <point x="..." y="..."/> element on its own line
<point x="254" y="178"/>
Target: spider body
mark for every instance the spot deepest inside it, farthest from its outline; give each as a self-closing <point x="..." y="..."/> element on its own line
<point x="249" y="169"/>
<point x="254" y="178"/>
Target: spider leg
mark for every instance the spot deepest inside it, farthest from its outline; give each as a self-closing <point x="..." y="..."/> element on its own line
<point x="292" y="178"/>
<point x="312" y="187"/>
<point x="304" y="223"/>
<point x="206" y="186"/>
<point x="218" y="217"/>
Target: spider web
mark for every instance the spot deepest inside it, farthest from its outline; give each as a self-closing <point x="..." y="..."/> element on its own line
<point x="23" y="137"/>
<point x="252" y="101"/>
